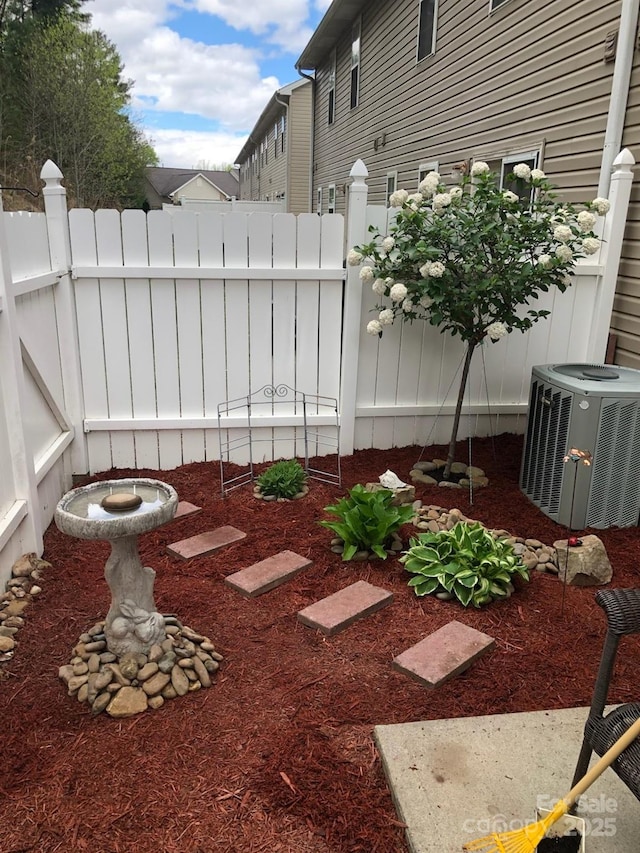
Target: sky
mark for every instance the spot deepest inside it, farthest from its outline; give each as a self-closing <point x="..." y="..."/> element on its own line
<point x="203" y="70"/>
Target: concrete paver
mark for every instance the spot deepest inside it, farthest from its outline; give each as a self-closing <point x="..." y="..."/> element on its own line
<point x="267" y="574"/>
<point x="443" y="654"/>
<point x="336" y="612"/>
<point x="205" y="543"/>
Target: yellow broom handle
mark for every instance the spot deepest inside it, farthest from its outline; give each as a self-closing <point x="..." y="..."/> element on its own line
<point x="600" y="766"/>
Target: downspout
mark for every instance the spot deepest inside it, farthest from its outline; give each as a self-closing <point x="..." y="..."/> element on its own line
<point x="313" y="131"/>
<point x="285" y="104"/>
<point x="619" y="91"/>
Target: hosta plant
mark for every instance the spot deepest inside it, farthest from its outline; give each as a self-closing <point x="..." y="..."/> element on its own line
<point x="467" y="562"/>
<point x="284" y="479"/>
<point x="367" y="521"/>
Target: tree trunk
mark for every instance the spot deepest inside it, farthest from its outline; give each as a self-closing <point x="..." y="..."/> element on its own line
<point x="456" y="418"/>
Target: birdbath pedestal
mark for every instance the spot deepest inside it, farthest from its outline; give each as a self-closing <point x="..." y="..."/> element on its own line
<point x="118" y="511"/>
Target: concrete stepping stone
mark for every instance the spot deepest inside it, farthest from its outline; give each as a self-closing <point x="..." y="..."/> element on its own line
<point x="185" y="509"/>
<point x="267" y="574"/>
<point x="445" y="653"/>
<point x="205" y="543"/>
<point x="336" y="612"/>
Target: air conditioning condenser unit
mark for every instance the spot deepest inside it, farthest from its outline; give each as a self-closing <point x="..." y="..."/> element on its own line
<point x="590" y="407"/>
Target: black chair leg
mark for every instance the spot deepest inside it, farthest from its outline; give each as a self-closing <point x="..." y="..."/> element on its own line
<point x="581" y="768"/>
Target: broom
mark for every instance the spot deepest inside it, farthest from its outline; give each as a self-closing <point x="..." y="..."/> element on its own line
<point x="526" y="840"/>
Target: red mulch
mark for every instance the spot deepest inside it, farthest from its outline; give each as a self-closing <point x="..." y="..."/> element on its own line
<point x="278" y="754"/>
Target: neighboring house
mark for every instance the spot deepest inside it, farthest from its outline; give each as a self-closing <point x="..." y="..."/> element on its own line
<point x="174" y="186"/>
<point x="275" y="162"/>
<point x="416" y="85"/>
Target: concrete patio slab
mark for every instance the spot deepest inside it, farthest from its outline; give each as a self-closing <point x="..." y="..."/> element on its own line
<point x="267" y="574"/>
<point x="456" y="780"/>
<point x="443" y="654"/>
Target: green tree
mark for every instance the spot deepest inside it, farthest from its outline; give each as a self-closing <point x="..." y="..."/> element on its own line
<point x="470" y="258"/>
<point x="63" y="98"/>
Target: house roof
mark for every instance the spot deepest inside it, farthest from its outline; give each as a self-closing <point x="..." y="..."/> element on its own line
<point x="337" y="19"/>
<point x="268" y="116"/>
<point x="167" y="181"/>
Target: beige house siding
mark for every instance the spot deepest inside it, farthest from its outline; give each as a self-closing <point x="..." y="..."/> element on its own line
<point x="625" y="320"/>
<point x="299" y="140"/>
<point x="518" y="80"/>
<point x="285" y="170"/>
<point x="198" y="188"/>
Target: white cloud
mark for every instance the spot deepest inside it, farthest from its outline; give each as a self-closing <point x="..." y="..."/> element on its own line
<point x="188" y="148"/>
<point x="281" y="22"/>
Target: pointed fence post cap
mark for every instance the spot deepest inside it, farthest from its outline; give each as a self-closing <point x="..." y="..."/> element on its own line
<point x="625" y="159"/>
<point x="359" y="170"/>
<point x="51" y="174"/>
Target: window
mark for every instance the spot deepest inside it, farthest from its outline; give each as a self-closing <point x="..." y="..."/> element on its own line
<point x="425" y="168"/>
<point x="319" y="202"/>
<point x="392" y="183"/>
<point x="503" y="167"/>
<point x="266" y="150"/>
<point x="427" y="28"/>
<point x="331" y="110"/>
<point x="355" y="64"/>
<point x="496" y="3"/>
<point x="283" y="127"/>
<point x="275" y="140"/>
<point x="331" y="198"/>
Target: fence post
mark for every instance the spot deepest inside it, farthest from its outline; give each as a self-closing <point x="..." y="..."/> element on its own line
<point x="55" y="205"/>
<point x="356" y="234"/>
<point x="25" y="486"/>
<point x="610" y="252"/>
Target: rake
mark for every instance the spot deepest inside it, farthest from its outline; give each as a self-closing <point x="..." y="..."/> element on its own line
<point x="526" y="840"/>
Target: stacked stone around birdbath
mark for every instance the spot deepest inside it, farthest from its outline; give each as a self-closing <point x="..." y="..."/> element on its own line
<point x="430" y="474"/>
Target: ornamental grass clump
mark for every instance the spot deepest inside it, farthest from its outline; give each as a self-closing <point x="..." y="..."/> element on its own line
<point x="285" y="479"/>
<point x="367" y="521"/>
<point x="471" y="258"/>
<point x="466" y="562"/>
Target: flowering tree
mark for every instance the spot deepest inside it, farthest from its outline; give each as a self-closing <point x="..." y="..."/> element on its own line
<point x="472" y="257"/>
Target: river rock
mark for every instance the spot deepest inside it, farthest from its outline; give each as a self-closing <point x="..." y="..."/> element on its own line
<point x="179" y="681"/>
<point x="201" y="672"/>
<point x="156" y="683"/>
<point x="6" y="644"/>
<point x="102" y="679"/>
<point x="127" y="702"/>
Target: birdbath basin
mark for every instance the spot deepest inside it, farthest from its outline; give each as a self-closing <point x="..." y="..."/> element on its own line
<point x="118" y="511"/>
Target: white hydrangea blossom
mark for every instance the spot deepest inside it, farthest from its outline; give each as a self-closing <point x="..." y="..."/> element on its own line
<point x="407" y="306"/>
<point x="424" y="269"/>
<point x="387" y="244"/>
<point x="379" y="287"/>
<point x="479" y="168"/>
<point x="496" y="331"/>
<point x="426" y="301"/>
<point x="455" y="192"/>
<point x="398" y="292"/>
<point x="562" y="233"/>
<point x="436" y="269"/>
<point x="415" y="199"/>
<point x="354" y="259"/>
<point x="374" y="327"/>
<point x="441" y="200"/>
<point x="564" y="252"/>
<point x="601" y="206"/>
<point x="586" y="220"/>
<point x="521" y="170"/>
<point x="429" y="184"/>
<point x="544" y="261"/>
<point x="366" y="274"/>
<point x="590" y="245"/>
<point x="507" y="195"/>
<point x="537" y="175"/>
<point x="385" y="317"/>
<point x="398" y="198"/>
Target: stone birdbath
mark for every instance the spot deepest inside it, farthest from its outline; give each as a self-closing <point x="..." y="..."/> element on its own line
<point x="118" y="511"/>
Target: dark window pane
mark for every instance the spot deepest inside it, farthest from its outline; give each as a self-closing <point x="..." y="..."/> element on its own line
<point x="426" y="31"/>
<point x="354" y="87"/>
<point x="332" y="106"/>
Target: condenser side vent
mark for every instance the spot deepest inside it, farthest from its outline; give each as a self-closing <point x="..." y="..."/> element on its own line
<point x="548" y="427"/>
<point x="615" y="484"/>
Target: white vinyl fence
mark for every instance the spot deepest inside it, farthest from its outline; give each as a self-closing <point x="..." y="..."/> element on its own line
<point x="122" y="333"/>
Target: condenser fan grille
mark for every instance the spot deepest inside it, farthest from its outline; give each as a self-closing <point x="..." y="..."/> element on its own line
<point x="615" y="490"/>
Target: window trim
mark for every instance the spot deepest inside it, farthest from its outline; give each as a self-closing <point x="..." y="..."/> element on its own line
<point x="331" y="95"/>
<point x="355" y="66"/>
<point x="319" y="201"/>
<point x="331" y="194"/>
<point x="432" y="51"/>
<point x="426" y="167"/>
<point x="275" y="140"/>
